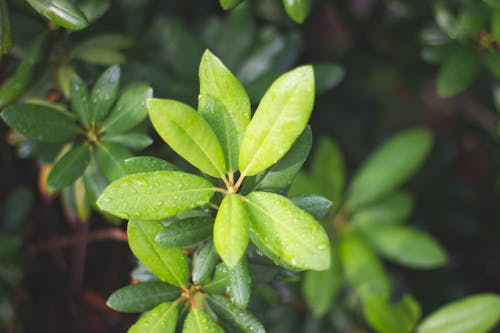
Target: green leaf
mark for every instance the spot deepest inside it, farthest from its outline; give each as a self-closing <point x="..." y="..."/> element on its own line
<point x="495" y="23"/>
<point x="161" y="319"/>
<point x="279" y="119"/>
<point x="68" y="167"/>
<point x="170" y="265"/>
<point x="94" y="9"/>
<point x="327" y="76"/>
<point x="64" y="74"/>
<point x="40" y="122"/>
<point x="472" y="19"/>
<point x="240" y="283"/>
<point x="237" y="316"/>
<point x="328" y="170"/>
<point x="140" y="164"/>
<point x="280" y="175"/>
<point x="94" y="180"/>
<point x="231" y="229"/>
<point x="229" y="4"/>
<point x="5" y="39"/>
<point x="135" y="141"/>
<point x="288" y="231"/>
<point x="198" y="321"/>
<point x="389" y="166"/>
<point x="103" y="49"/>
<point x="406" y="246"/>
<point x="444" y="18"/>
<point x="457" y="72"/>
<point x="493" y="3"/>
<point x="391" y="318"/>
<point x="80" y="99"/>
<point x="394" y="208"/>
<point x="362" y="269"/>
<point x="61" y="12"/>
<point x="111" y="157"/>
<point x="473" y="314"/>
<point x="220" y="282"/>
<point x="493" y="63"/>
<point x="188" y="134"/>
<point x="314" y="204"/>
<point x="186" y="232"/>
<point x="129" y="111"/>
<point x="104" y="92"/>
<point x="321" y="287"/>
<point x="142" y="296"/>
<point x="298" y="10"/>
<point x="155" y="195"/>
<point x="204" y="262"/>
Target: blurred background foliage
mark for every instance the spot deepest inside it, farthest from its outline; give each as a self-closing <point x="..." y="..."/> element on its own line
<point x="384" y="66"/>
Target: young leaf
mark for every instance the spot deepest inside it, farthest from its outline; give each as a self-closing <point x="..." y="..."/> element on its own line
<point x="129" y="111"/>
<point x="161" y="319"/>
<point x="458" y="72"/>
<point x="228" y="4"/>
<point x="80" y="99"/>
<point x="68" y="167"/>
<point x="155" y="195"/>
<point x="170" y="265"/>
<point x="394" y="208"/>
<point x="142" y="296"/>
<point x="240" y="283"/>
<point x="279" y="119"/>
<point x="473" y="314"/>
<point x="297" y="9"/>
<point x="288" y="231"/>
<point x="237" y="316"/>
<point x="40" y="122"/>
<point x="362" y="269"/>
<point x="389" y="166"/>
<point x="186" y="232"/>
<point x="231" y="229"/>
<point x="188" y="134"/>
<point x="61" y="12"/>
<point x="110" y="156"/>
<point x="316" y="205"/>
<point x="406" y="246"/>
<point x="104" y="93"/>
<point x="198" y="321"/>
<point x="204" y="262"/>
<point x="147" y="164"/>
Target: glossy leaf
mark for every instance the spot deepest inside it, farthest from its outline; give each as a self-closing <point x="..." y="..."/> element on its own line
<point x="288" y="231"/>
<point x="186" y="232"/>
<point x="155" y="195"/>
<point x="204" y="262"/>
<point x="298" y="10"/>
<point x="327" y="76"/>
<point x="147" y="164"/>
<point x="362" y="269"/>
<point x="279" y="119"/>
<point x="94" y="9"/>
<point x="142" y="296"/>
<point x="231" y="229"/>
<point x="240" y="283"/>
<point x="198" y="321"/>
<point x="162" y="319"/>
<point x="220" y="282"/>
<point x="394" y="208"/>
<point x="111" y="157"/>
<point x="457" y="72"/>
<point x="188" y="134"/>
<point x="129" y="111"/>
<point x="237" y="316"/>
<point x="406" y="246"/>
<point x="228" y="4"/>
<point x="68" y="167"/>
<point x="314" y="204"/>
<point x="170" y="265"/>
<point x="135" y="141"/>
<point x="389" y="166"/>
<point x="104" y="93"/>
<point x="40" y="122"/>
<point x="80" y="99"/>
<point x="61" y="12"/>
<point x="473" y="314"/>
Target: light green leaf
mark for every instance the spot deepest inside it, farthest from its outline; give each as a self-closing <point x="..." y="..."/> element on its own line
<point x="186" y="232"/>
<point x="80" y="99"/>
<point x="228" y="4"/>
<point x="406" y="246"/>
<point x="68" y="167"/>
<point x="170" y="265"/>
<point x="142" y="296"/>
<point x="231" y="229"/>
<point x="314" y="204"/>
<point x="240" y="283"/>
<point x="394" y="208"/>
<point x="40" y="122"/>
<point x="111" y="157"/>
<point x="457" y="72"/>
<point x="198" y="321"/>
<point x="148" y="164"/>
<point x="279" y="119"/>
<point x="134" y="141"/>
<point x="237" y="316"/>
<point x="155" y="195"/>
<point x="61" y="12"/>
<point x="288" y="231"/>
<point x="188" y="134"/>
<point x="298" y="10"/>
<point x="104" y="92"/>
<point x="473" y="314"/>
<point x="129" y="111"/>
<point x="204" y="262"/>
<point x="161" y="319"/>
<point x="362" y="269"/>
<point x="389" y="166"/>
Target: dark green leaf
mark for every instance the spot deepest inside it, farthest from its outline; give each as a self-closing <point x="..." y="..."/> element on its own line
<point x="220" y="283"/>
<point x="16" y="208"/>
<point x="155" y="195"/>
<point x="170" y="265"/>
<point x="314" y="204"/>
<point x="135" y="141"/>
<point x="495" y="23"/>
<point x="493" y="3"/>
<point x="111" y="157"/>
<point x="94" y="9"/>
<point x="444" y="18"/>
<point x="5" y="39"/>
<point x="204" y="262"/>
<point x="161" y="319"/>
<point x="472" y="19"/>
<point x="228" y="4"/>
<point x="104" y="92"/>
<point x="80" y="99"/>
<point x="148" y="164"/>
<point x="103" y="50"/>
<point x="11" y="247"/>
<point x="94" y="181"/>
<point x="240" y="318"/>
<point x="298" y="10"/>
<point x="457" y="72"/>
<point x="68" y="167"/>
<point x="198" y="321"/>
<point x="327" y="76"/>
<point x="61" y="12"/>
<point x="394" y="208"/>
<point x="240" y="283"/>
<point x="142" y="296"/>
<point x="186" y="232"/>
<point x="493" y="62"/>
<point x="40" y="122"/>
